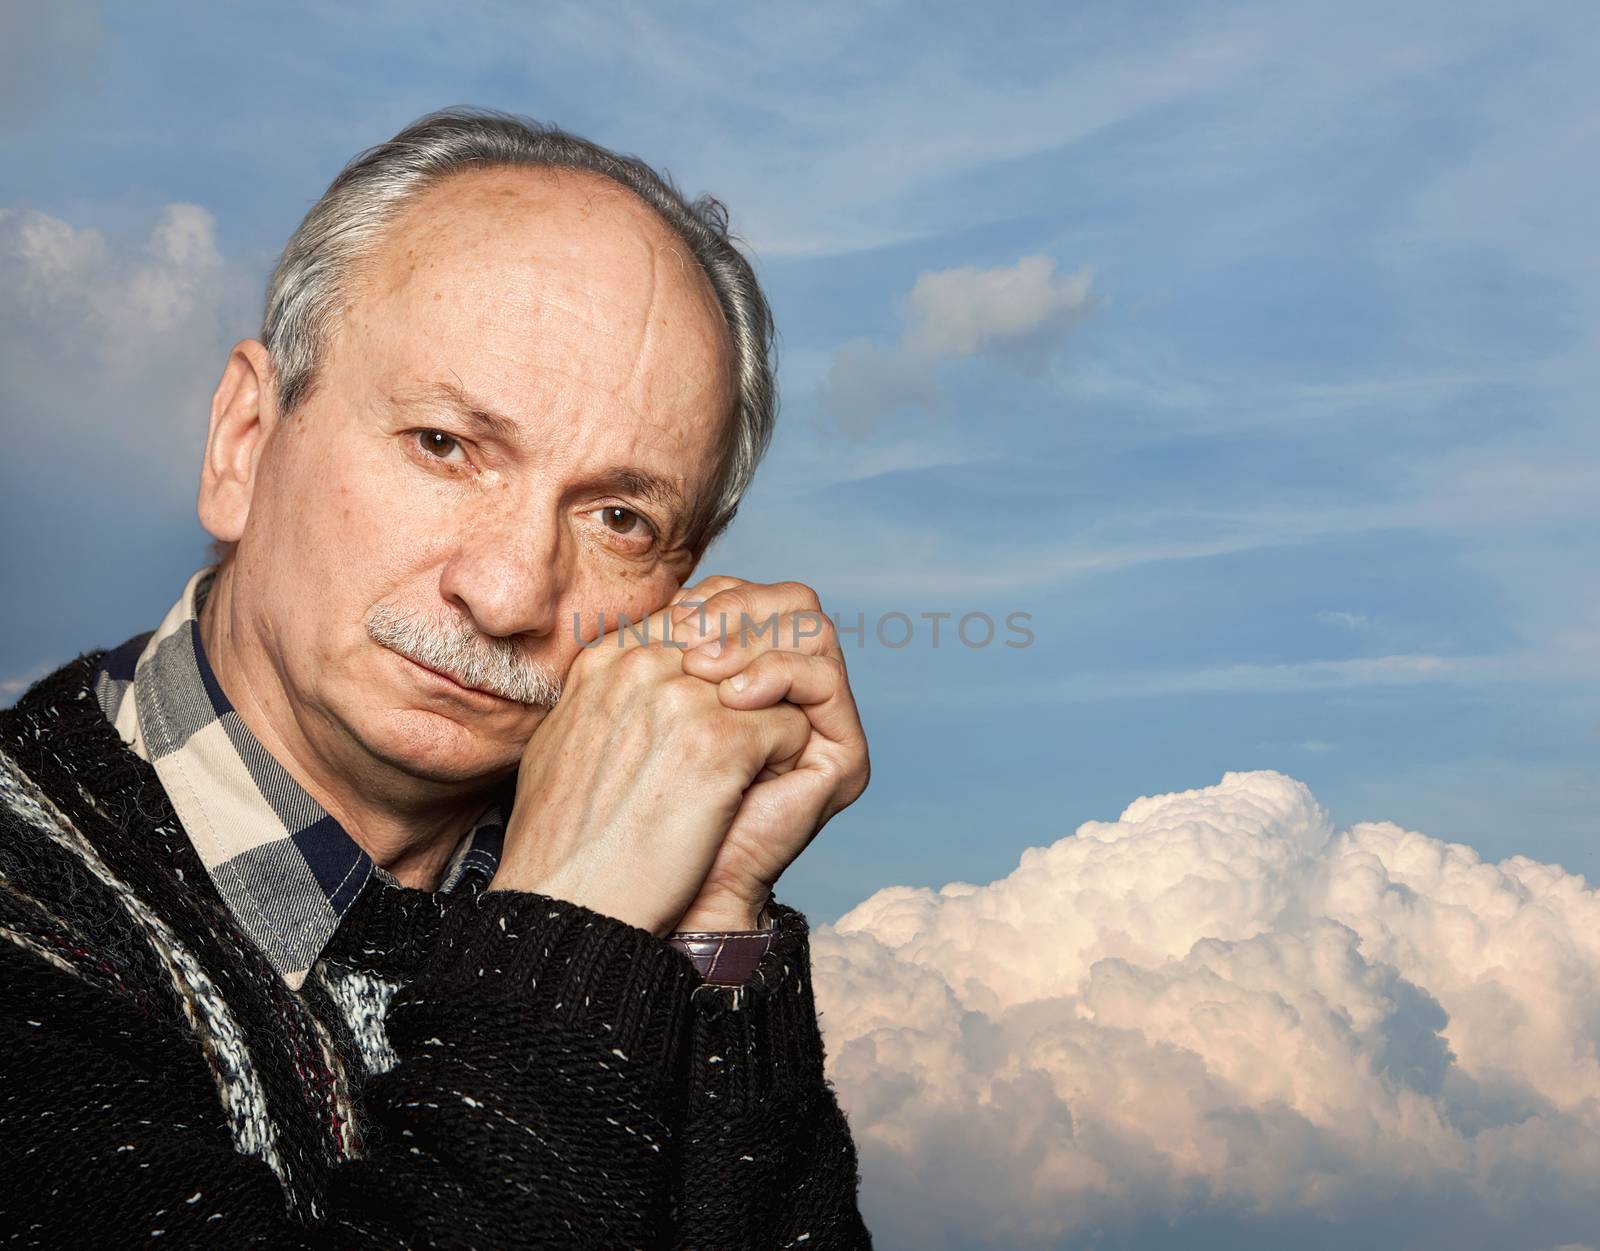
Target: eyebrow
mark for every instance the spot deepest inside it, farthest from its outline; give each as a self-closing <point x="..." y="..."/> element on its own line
<point x="484" y="419"/>
<point x="625" y="479"/>
<point x="662" y="492"/>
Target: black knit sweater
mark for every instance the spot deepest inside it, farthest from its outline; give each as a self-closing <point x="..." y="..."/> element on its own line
<point x="477" y="1069"/>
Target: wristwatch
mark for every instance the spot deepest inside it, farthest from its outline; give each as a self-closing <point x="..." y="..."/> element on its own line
<point x="728" y="957"/>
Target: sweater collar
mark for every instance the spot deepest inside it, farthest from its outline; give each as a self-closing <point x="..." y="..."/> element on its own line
<point x="288" y="871"/>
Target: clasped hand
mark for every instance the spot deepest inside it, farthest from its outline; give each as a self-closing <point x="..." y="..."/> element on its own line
<point x="690" y="760"/>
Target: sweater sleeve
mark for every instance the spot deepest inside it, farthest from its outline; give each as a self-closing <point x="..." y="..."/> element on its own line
<point x="538" y="1089"/>
<point x="767" y="1156"/>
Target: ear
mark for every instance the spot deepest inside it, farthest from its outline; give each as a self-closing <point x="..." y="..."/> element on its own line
<point x="243" y="414"/>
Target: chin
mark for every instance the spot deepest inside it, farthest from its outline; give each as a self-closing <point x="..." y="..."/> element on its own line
<point x="438" y="748"/>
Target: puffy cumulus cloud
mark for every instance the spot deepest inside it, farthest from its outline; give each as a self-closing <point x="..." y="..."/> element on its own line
<point x="1018" y="314"/>
<point x="1220" y="1020"/>
<point x="113" y="345"/>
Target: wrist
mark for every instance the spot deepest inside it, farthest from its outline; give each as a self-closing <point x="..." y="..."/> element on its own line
<point x="726" y="918"/>
<point x="554" y="885"/>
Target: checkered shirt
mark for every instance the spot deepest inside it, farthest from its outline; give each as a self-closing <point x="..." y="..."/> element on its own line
<point x="288" y="871"/>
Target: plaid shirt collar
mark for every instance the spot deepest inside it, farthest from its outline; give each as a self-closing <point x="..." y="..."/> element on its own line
<point x="288" y="871"/>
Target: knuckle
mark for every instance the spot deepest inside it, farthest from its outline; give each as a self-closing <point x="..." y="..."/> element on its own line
<point x="683" y="699"/>
<point x="640" y="666"/>
<point x="711" y="616"/>
<point x="808" y="629"/>
<point x="817" y="670"/>
<point x="800" y="593"/>
<point x="717" y="584"/>
<point x="837" y="776"/>
<point x="586" y="664"/>
<point x="758" y="627"/>
<point x="849" y="780"/>
<point x="635" y="659"/>
<point x="863" y="774"/>
<point x="710" y="739"/>
<point x="732" y="599"/>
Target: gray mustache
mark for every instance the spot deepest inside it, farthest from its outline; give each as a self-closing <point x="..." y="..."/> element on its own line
<point x="472" y="659"/>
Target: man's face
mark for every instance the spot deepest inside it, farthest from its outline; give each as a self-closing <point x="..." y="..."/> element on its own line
<point x="563" y="307"/>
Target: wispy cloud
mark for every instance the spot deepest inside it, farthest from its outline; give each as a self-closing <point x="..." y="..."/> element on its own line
<point x="1295" y="676"/>
<point x="1302" y="677"/>
<point x="852" y="159"/>
<point x="1345" y="620"/>
<point x="1017" y="314"/>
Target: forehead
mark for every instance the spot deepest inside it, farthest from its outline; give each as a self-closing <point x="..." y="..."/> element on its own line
<point x="534" y="288"/>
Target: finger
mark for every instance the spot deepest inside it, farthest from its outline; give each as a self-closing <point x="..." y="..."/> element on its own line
<point x="704" y="589"/>
<point x="802" y="800"/>
<point x="691" y="623"/>
<point x="747" y="607"/>
<point x="709" y="585"/>
<point x="816" y="684"/>
<point x="781" y="733"/>
<point x="657" y="629"/>
<point x="619" y="631"/>
<point x="805" y="631"/>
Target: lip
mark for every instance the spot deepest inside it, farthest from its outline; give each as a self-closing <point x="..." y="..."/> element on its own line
<point x="444" y="680"/>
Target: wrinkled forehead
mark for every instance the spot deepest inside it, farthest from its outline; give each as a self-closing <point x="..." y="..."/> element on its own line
<point x="557" y="270"/>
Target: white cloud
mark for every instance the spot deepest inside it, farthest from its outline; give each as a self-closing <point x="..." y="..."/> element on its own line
<point x="57" y="270"/>
<point x="1218" y="1009"/>
<point x="1019" y="313"/>
<point x="959" y="312"/>
<point x="118" y="342"/>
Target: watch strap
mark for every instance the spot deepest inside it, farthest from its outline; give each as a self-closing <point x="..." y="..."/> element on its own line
<point x="727" y="957"/>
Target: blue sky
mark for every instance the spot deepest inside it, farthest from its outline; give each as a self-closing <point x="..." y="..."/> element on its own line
<point x="1249" y="348"/>
<point x="1308" y="485"/>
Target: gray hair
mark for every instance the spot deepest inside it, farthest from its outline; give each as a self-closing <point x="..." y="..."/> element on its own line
<point x="314" y="275"/>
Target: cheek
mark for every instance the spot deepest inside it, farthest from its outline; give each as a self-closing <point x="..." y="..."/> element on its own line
<point x="633" y="596"/>
<point x="379" y="504"/>
<point x="355" y="527"/>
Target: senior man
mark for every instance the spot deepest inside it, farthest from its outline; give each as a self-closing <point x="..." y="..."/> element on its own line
<point x="410" y="883"/>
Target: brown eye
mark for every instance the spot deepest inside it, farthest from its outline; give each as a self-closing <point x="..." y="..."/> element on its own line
<point x="627" y="524"/>
<point x="437" y="443"/>
<point x="621" y="520"/>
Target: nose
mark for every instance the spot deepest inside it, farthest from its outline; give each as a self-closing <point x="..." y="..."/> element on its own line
<point x="509" y="575"/>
